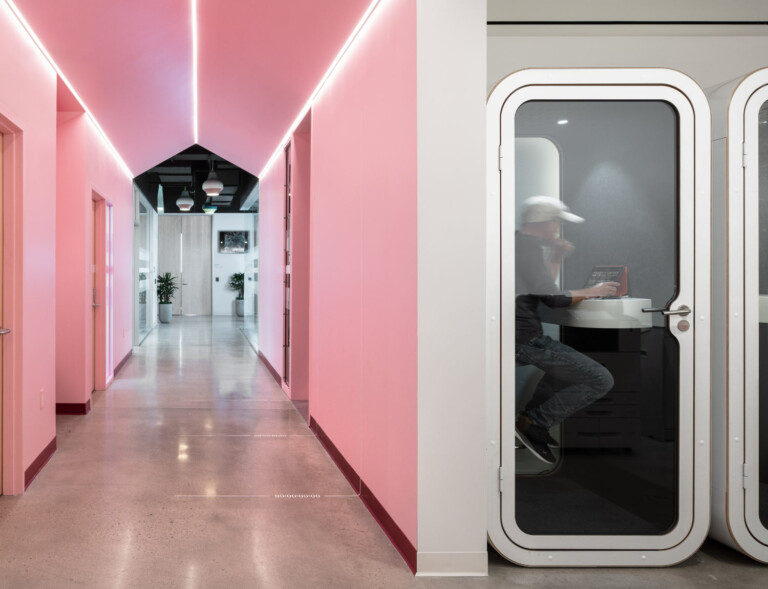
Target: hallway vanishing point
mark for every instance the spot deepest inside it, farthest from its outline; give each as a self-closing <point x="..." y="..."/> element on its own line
<point x="195" y="470"/>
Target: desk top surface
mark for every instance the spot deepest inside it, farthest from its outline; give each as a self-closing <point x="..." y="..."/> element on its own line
<point x="622" y="313"/>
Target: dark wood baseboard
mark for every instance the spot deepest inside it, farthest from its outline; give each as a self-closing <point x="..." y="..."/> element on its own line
<point x="122" y="362"/>
<point x="275" y="374"/>
<point x="399" y="540"/>
<point x="73" y="408"/>
<point x="38" y="464"/>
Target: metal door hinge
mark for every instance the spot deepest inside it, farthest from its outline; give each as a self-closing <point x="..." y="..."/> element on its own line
<point x="744" y="475"/>
<point x="501" y="479"/>
<point x="501" y="155"/>
<point x="743" y="155"/>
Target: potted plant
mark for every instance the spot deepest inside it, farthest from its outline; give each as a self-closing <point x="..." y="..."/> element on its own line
<point x="166" y="287"/>
<point x="237" y="282"/>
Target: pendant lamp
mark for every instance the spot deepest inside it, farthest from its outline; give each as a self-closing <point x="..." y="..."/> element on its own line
<point x="212" y="185"/>
<point x="184" y="202"/>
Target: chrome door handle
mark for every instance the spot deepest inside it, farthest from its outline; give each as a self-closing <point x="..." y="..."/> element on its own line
<point x="185" y="284"/>
<point x="95" y="305"/>
<point x="4" y="331"/>
<point x="683" y="310"/>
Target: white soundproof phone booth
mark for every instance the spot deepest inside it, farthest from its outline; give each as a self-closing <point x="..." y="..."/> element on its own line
<point x="628" y="150"/>
<point x="740" y="333"/>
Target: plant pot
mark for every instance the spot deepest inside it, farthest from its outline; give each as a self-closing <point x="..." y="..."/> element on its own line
<point x="166" y="312"/>
<point x="240" y="307"/>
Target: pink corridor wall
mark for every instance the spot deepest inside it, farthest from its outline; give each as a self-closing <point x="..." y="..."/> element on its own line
<point x="363" y="264"/>
<point x="85" y="166"/>
<point x="28" y="114"/>
<point x="28" y="106"/>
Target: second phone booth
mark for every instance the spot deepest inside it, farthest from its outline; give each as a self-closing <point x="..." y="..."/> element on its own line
<point x="740" y="332"/>
<point x="625" y="154"/>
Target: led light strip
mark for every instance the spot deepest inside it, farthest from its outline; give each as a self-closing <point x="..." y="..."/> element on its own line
<point x="329" y="72"/>
<point x="28" y="29"/>
<point x="194" y="70"/>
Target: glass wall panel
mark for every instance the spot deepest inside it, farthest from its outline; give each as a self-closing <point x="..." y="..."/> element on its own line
<point x="143" y="266"/>
<point x="763" y="268"/>
<point x="604" y="399"/>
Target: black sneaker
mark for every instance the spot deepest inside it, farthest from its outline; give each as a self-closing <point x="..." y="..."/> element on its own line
<point x="534" y="437"/>
<point x="552" y="442"/>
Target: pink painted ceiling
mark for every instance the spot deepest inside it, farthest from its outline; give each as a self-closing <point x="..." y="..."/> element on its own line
<point x="131" y="64"/>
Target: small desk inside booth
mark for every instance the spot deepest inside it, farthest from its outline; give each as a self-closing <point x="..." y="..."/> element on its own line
<point x="607" y="330"/>
<point x="624" y="313"/>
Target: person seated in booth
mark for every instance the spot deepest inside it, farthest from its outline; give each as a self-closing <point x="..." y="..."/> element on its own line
<point x="571" y="380"/>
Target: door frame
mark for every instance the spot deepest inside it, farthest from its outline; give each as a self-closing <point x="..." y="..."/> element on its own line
<point x="103" y="242"/>
<point x="603" y="84"/>
<point x="139" y="201"/>
<point x="742" y="435"/>
<point x="287" y="269"/>
<point x="12" y="463"/>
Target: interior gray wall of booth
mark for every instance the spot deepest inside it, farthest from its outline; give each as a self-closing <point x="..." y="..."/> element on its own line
<point x="619" y="172"/>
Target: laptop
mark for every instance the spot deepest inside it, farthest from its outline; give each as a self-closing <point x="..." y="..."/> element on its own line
<point x="610" y="274"/>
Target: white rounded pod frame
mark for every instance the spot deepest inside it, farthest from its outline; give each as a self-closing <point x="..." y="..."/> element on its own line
<point x="736" y="414"/>
<point x="690" y="530"/>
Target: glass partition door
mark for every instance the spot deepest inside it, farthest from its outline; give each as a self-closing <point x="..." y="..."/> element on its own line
<point x="613" y="403"/>
<point x="143" y="266"/>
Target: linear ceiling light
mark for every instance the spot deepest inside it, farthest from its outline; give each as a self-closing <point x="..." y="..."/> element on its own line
<point x="331" y="69"/>
<point x="194" y="70"/>
<point x="39" y="44"/>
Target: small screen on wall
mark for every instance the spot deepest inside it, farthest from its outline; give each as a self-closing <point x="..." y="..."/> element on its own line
<point x="233" y="242"/>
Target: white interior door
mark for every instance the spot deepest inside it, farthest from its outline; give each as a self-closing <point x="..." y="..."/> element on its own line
<point x="196" y="265"/>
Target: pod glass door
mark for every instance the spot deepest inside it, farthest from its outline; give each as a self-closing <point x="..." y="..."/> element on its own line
<point x="597" y="285"/>
<point x="756" y="316"/>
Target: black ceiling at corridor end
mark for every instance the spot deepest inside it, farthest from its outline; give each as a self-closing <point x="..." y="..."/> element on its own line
<point x="189" y="169"/>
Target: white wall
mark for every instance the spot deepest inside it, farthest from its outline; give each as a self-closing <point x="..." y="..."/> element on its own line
<point x="632" y="10"/>
<point x="451" y="54"/>
<point x="710" y="55"/>
<point x="224" y="265"/>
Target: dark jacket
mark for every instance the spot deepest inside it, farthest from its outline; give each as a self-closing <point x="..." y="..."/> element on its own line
<point x="533" y="284"/>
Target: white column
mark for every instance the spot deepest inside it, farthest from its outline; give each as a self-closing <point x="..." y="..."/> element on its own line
<point x="451" y="72"/>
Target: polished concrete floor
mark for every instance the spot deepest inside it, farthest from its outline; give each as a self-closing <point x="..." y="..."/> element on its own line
<point x="194" y="470"/>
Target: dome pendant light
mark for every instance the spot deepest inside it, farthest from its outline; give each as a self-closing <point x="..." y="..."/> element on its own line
<point x="212" y="185"/>
<point x="209" y="209"/>
<point x="184" y="202"/>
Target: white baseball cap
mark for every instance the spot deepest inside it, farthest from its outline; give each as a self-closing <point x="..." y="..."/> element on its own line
<point x="540" y="209"/>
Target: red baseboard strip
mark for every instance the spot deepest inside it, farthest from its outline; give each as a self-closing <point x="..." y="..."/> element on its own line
<point x="38" y="464"/>
<point x="122" y="362"/>
<point x="275" y="374"/>
<point x="73" y="408"/>
<point x="391" y="529"/>
<point x="345" y="467"/>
